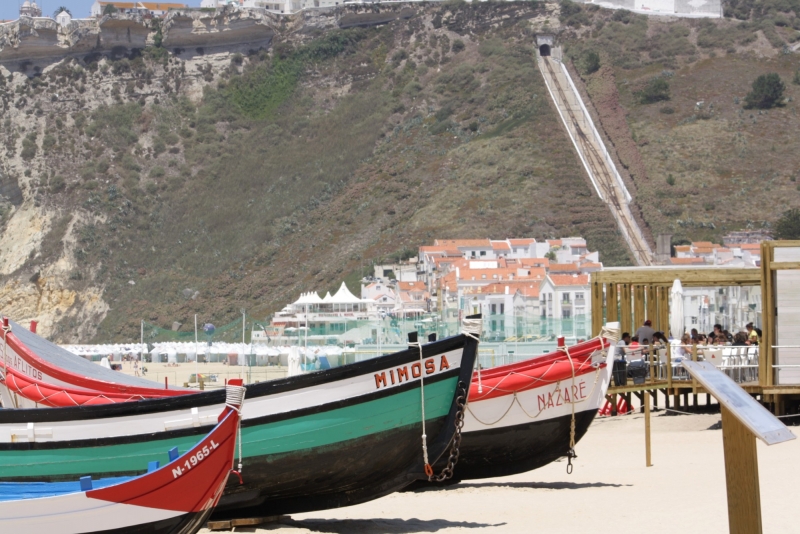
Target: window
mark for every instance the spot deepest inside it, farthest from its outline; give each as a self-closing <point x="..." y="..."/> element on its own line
<point x="565" y="297"/>
<point x="494" y="326"/>
<point x="483" y="253"/>
<point x="566" y="314"/>
<point x="579" y="296"/>
<point x="494" y="309"/>
<point x="502" y="308"/>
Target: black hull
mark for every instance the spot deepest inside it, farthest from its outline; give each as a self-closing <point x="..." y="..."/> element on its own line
<point x="184" y="524"/>
<point x="515" y="449"/>
<point x="340" y="475"/>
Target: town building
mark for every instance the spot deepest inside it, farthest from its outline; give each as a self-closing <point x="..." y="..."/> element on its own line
<point x="30" y="9"/>
<point x="156" y="9"/>
<point x="708" y="253"/>
<point x="63" y="18"/>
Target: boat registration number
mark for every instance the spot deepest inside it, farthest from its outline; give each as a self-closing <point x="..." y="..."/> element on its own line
<point x="195" y="459"/>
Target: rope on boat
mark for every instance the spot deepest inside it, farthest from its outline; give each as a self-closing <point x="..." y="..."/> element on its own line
<point x="473" y="328"/>
<point x="571" y="454"/>
<point x="428" y="467"/>
<point x="234" y="399"/>
<point x="515" y="399"/>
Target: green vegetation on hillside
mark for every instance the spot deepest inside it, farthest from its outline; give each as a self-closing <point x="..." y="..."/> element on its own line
<point x="301" y="167"/>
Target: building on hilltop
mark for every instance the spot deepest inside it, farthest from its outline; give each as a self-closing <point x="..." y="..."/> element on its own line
<point x="156" y="9"/>
<point x="63" y="18"/>
<point x="30" y="9"/>
<point x="708" y="253"/>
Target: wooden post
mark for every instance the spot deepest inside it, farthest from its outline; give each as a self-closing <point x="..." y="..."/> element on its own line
<point x="668" y="370"/>
<point x="741" y="474"/>
<point x="651" y="354"/>
<point x="625" y="308"/>
<point x="663" y="309"/>
<point x="638" y="306"/>
<point x="766" y="375"/>
<point x="694" y="359"/>
<point x="612" y="313"/>
<point x="647" y="428"/>
<point x="652" y="310"/>
<point x="597" y="307"/>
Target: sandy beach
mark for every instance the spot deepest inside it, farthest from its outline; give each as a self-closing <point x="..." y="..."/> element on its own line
<point x="610" y="490"/>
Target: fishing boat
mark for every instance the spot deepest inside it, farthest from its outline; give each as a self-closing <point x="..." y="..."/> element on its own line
<point x="313" y="441"/>
<point x="43" y="373"/>
<point x="174" y="499"/>
<point x="525" y="415"/>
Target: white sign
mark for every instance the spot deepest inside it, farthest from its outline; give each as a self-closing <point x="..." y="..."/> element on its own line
<point x="745" y="408"/>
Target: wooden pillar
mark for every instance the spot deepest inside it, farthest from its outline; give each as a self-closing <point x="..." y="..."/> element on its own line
<point x="741" y="476"/>
<point x="638" y="306"/>
<point x="597" y="307"/>
<point x="625" y="308"/>
<point x="652" y="309"/>
<point x="612" y="313"/>
<point x="663" y="309"/>
<point x="648" y="463"/>
<point x="765" y="352"/>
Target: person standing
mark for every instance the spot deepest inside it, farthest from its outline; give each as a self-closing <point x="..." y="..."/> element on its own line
<point x="645" y="331"/>
<point x="621" y="344"/>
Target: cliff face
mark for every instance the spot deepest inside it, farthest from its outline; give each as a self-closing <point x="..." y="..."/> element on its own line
<point x="135" y="177"/>
<point x="30" y="39"/>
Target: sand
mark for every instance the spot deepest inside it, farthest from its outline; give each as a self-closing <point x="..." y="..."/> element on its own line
<point x="180" y="373"/>
<point x="610" y="490"/>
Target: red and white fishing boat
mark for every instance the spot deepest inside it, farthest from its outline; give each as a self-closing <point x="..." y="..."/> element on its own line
<point x="174" y="499"/>
<point x="40" y="373"/>
<point x="527" y="414"/>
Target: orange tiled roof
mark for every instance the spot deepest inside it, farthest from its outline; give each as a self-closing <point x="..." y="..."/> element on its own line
<point x="570" y="280"/>
<point x="702" y="244"/>
<point x="521" y="242"/>
<point x="563" y="268"/>
<point x="410" y="286"/>
<point x="683" y="248"/>
<point x="499" y="288"/>
<point x="750" y="246"/>
<point x="554" y="242"/>
<point x="500" y="245"/>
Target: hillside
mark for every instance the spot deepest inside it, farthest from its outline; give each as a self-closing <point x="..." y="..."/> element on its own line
<point x="157" y="187"/>
<point x="701" y="164"/>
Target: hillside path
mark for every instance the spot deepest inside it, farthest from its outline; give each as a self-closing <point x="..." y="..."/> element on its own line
<point x="593" y="154"/>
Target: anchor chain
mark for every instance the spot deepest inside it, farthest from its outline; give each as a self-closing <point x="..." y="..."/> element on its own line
<point x="452" y="460"/>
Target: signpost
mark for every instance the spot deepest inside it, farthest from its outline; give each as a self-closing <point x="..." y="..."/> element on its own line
<point x="743" y="419"/>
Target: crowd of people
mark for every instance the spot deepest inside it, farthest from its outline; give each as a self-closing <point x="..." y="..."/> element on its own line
<point x="646" y="335"/>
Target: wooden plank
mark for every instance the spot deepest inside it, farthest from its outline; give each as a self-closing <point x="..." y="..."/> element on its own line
<point x="652" y="310"/>
<point x="741" y="476"/>
<point x="244" y="522"/>
<point x="766" y="356"/>
<point x="638" y="306"/>
<point x="625" y="308"/>
<point x="648" y="462"/>
<point x="695" y="277"/>
<point x="663" y="310"/>
<point x="784" y="265"/>
<point x="612" y="304"/>
<point x="597" y="308"/>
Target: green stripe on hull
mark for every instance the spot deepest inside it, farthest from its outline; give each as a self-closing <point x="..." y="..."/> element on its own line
<point x="310" y="431"/>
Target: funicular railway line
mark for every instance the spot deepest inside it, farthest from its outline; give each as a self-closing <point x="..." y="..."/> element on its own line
<point x="603" y="177"/>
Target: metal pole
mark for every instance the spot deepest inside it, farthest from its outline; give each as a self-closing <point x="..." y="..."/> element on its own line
<point x="141" y="343"/>
<point x="196" y="352"/>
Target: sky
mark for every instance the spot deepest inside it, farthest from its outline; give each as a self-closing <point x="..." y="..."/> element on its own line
<point x="9" y="9"/>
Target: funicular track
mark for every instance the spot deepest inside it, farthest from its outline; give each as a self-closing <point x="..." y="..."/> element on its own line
<point x="603" y="177"/>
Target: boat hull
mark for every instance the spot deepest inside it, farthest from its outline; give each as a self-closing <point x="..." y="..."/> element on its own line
<point x="354" y="435"/>
<point x="511" y="450"/>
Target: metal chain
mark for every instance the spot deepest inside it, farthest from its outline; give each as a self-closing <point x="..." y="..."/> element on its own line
<point x="447" y="472"/>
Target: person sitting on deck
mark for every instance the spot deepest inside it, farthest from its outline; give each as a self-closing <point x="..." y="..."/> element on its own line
<point x="645" y="331"/>
<point x="740" y="339"/>
<point x="717" y="332"/>
<point x="621" y="344"/>
<point x="683" y="350"/>
<point x="752" y="334"/>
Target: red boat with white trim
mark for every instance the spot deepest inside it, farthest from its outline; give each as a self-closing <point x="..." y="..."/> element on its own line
<point x="174" y="499"/>
<point x="49" y="375"/>
<point x="525" y="415"/>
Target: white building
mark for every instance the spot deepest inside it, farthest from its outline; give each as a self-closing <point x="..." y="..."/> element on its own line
<point x="30" y="9"/>
<point x="64" y="18"/>
<point x="156" y="9"/>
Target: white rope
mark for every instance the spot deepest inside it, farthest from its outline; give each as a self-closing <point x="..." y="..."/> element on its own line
<point x="473" y="328"/>
<point x="572" y="402"/>
<point x="422" y="402"/>
<point x="234" y="399"/>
